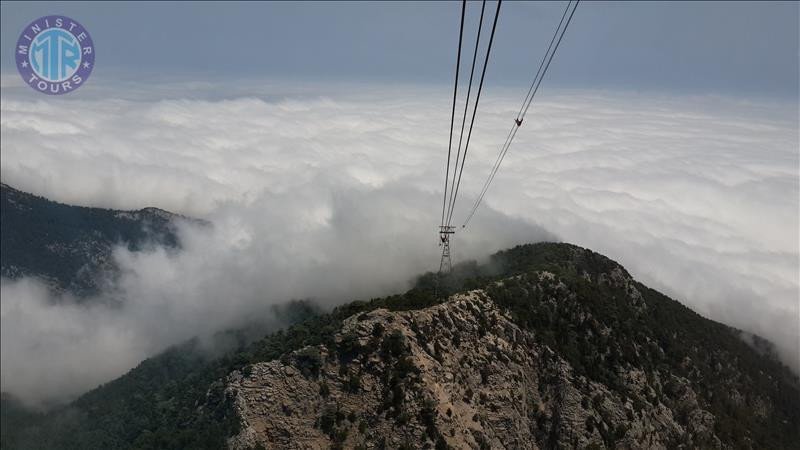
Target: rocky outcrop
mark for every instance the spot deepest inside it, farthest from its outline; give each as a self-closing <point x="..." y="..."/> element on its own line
<point x="461" y="374"/>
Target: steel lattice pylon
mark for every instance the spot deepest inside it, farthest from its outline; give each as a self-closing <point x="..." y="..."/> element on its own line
<point x="446" y="264"/>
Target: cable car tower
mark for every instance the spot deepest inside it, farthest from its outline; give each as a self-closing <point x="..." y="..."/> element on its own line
<point x="446" y="265"/>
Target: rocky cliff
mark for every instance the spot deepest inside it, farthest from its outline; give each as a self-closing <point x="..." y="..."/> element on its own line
<point x="460" y="374"/>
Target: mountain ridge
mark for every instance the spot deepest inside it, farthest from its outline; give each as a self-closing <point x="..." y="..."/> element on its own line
<point x="686" y="380"/>
<point x="70" y="247"/>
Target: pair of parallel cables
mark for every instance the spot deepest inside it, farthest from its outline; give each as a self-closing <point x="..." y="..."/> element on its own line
<point x="449" y="201"/>
<point x="458" y="168"/>
<point x="448" y="206"/>
<point x="526" y="103"/>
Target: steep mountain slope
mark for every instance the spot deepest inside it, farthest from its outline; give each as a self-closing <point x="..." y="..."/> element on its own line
<point x="70" y="246"/>
<point x="579" y="355"/>
<point x="546" y="346"/>
<point x="460" y="375"/>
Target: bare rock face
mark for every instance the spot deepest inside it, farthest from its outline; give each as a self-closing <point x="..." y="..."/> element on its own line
<point x="460" y="374"/>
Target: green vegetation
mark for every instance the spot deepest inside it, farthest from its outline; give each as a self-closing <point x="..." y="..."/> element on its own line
<point x="151" y="407"/>
<point x="600" y="331"/>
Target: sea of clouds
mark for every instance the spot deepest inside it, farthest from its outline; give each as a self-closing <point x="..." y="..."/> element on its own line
<point x="333" y="192"/>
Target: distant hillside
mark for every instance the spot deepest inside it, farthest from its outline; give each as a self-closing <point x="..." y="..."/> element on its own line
<point x="70" y="246"/>
<point x="546" y="346"/>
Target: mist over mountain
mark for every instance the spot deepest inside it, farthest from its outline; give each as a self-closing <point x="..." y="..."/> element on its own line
<point x="228" y="272"/>
<point x="594" y="357"/>
<point x="317" y="234"/>
<point x="673" y="187"/>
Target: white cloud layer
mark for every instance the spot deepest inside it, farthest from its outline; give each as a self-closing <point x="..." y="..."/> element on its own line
<point x="335" y="193"/>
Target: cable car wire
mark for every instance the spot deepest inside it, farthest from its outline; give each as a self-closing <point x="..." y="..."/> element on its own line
<point x="453" y="113"/>
<point x="544" y="57"/>
<point x="466" y="104"/>
<point x="525" y="106"/>
<point x="474" y="109"/>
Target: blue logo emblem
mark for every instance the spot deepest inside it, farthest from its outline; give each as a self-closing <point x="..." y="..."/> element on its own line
<point x="55" y="55"/>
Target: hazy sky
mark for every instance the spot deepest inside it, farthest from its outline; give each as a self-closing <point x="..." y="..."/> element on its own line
<point x="738" y="47"/>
